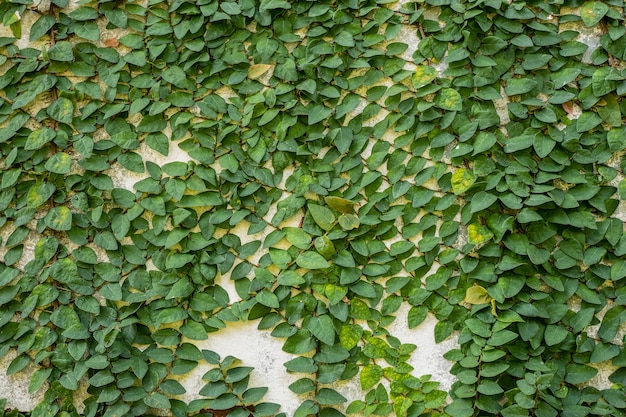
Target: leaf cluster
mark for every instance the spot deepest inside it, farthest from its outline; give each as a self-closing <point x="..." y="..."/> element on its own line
<point x="335" y="173"/>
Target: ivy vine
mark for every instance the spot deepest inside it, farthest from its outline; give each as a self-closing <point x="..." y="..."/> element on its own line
<point x="335" y="173"/>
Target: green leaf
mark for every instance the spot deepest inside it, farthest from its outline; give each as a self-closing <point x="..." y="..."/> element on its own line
<point x="482" y="200"/>
<point x="11" y="177"/>
<point x="335" y="293"/>
<point x="274" y="4"/>
<point x="603" y="352"/>
<point x="311" y="260"/>
<point x="172" y="387"/>
<point x="59" y="163"/>
<point x="237" y="374"/>
<point x="327" y="396"/>
<point x="342" y="138"/>
<point x="515" y="86"/>
<point x="323" y="216"/>
<point x="176" y="76"/>
<point x="19" y="363"/>
<point x="483" y="142"/>
<point x="290" y="279"/>
<point x="61" y="110"/>
<point x="61" y="51"/>
<point x="582" y="319"/>
<point x="489" y="387"/>
<point x="443" y="330"/>
<point x="267" y="298"/>
<point x="41" y="26"/>
<point x="618" y="269"/>
<point x="67" y="319"/>
<point x="349" y="221"/>
<point x="578" y="373"/>
<point x="308" y="407"/>
<point x="87" y="30"/>
<point x="59" y="218"/>
<point x="229" y="162"/>
<point x="224" y="402"/>
<point x="318" y="113"/>
<point x="460" y="408"/>
<point x="587" y="121"/>
<point x="214" y="389"/>
<point x="106" y="240"/>
<point x="344" y="38"/>
<point x="38" y="138"/>
<point x="38" y="378"/>
<point x="514" y="411"/>
<point x="611" y="322"/>
<point x="298" y="237"/>
<point x="182" y="288"/>
<point x="615" y="139"/>
<point x="301" y="364"/>
<point x="543" y="145"/>
<point x="537" y="255"/>
<point x="302" y="386"/>
<point x="254" y="395"/>
<point x="417" y="315"/>
<point x="322" y="328"/>
<point x="592" y="12"/>
<point x="501" y="338"/>
<point x="555" y="334"/>
<point x="126" y="139"/>
<point x="299" y="343"/>
<point x="611" y="113"/>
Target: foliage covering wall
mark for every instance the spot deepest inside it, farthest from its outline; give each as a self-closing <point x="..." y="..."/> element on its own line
<point x="365" y="176"/>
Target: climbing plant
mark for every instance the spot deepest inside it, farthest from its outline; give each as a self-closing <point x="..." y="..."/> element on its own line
<point x="335" y="172"/>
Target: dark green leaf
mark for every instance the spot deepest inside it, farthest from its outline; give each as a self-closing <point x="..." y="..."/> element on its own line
<point x="322" y="328"/>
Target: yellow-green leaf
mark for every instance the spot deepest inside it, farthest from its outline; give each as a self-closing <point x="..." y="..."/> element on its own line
<point x="462" y="180"/>
<point x="342" y="205"/>
<point x="39" y="194"/>
<point x="325" y="246"/>
<point x="449" y="99"/>
<point x="370" y="375"/>
<point x="350" y="335"/>
<point x="401" y="405"/>
<point x="478" y="233"/>
<point x="477" y="295"/>
<point x="423" y="75"/>
<point x="256" y="70"/>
